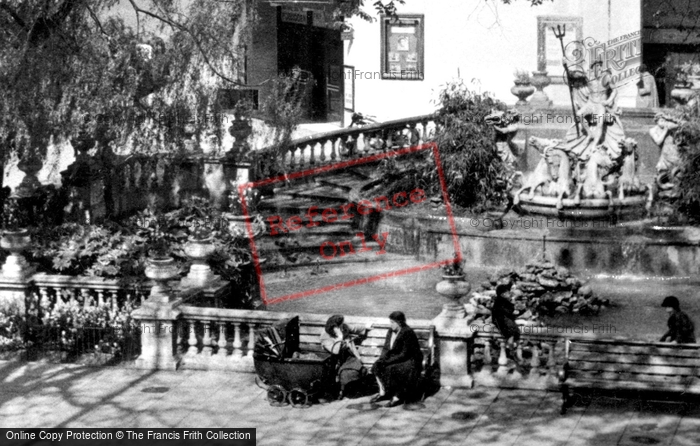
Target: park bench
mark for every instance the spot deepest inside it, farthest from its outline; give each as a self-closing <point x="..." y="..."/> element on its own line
<point x="630" y="367"/>
<point x="371" y="346"/>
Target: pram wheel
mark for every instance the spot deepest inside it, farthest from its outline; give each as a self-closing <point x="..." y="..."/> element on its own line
<point x="299" y="398"/>
<point x="276" y="395"/>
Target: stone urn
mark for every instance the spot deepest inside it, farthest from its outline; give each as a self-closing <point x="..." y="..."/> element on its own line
<point x="682" y="93"/>
<point x="240" y="130"/>
<point x="694" y="80"/>
<point x="198" y="250"/>
<point x="161" y="270"/>
<point x="30" y="164"/>
<point x="15" y="242"/>
<point x="453" y="288"/>
<point x="540" y="81"/>
<point x="238" y="225"/>
<point x="522" y="90"/>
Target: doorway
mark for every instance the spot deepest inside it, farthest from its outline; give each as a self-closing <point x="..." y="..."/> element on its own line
<point x="318" y="52"/>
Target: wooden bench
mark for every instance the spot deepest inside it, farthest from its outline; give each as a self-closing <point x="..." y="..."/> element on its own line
<point x="371" y="346"/>
<point x="628" y="366"/>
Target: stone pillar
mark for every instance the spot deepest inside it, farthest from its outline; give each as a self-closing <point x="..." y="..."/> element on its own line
<point x="158" y="317"/>
<point x="13" y="292"/>
<point x="539" y="100"/>
<point x="16" y="276"/>
<point x="455" y="346"/>
<point x="158" y="325"/>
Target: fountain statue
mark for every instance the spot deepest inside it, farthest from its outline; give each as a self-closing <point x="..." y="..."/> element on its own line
<point x="669" y="164"/>
<point x="505" y="123"/>
<point x="592" y="172"/>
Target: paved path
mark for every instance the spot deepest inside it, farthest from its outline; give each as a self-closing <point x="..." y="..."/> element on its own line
<point x="57" y="395"/>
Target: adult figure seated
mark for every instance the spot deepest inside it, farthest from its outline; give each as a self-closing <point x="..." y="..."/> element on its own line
<point x="339" y="340"/>
<point x="681" y="329"/>
<point x="399" y="366"/>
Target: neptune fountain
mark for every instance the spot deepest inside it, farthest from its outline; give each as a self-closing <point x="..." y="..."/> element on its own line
<point x="592" y="172"/>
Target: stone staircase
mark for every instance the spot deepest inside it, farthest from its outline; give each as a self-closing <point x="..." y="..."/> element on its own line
<point x="318" y="242"/>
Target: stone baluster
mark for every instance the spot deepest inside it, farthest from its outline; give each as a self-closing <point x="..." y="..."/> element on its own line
<point x="180" y="328"/>
<point x="72" y="292"/>
<point x="487" y="353"/>
<point x="292" y="151"/>
<point x="323" y="156"/>
<point x="113" y="303"/>
<point x="312" y="155"/>
<point x="535" y="360"/>
<point x="206" y="339"/>
<point x="340" y="144"/>
<point x="222" y="352"/>
<point x="192" y="340"/>
<point x="237" y="344"/>
<point x="358" y="146"/>
<point x="100" y="297"/>
<point x="251" y="339"/>
<point x="502" y="359"/>
<point x="519" y="351"/>
<point x="301" y="163"/>
<point x="44" y="300"/>
<point x="551" y="360"/>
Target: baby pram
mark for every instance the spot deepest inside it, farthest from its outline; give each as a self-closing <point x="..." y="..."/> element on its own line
<point x="289" y="375"/>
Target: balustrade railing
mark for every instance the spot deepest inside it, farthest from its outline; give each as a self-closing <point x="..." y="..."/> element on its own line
<point x="538" y="357"/>
<point x="352" y="143"/>
<point x="52" y="290"/>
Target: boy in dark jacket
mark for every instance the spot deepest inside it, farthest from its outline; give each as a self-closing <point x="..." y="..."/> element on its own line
<point x="680" y="327"/>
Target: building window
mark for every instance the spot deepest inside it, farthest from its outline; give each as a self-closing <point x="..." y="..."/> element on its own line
<point x="549" y="53"/>
<point x="402" y="47"/>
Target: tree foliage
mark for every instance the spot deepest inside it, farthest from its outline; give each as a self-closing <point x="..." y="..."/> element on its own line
<point x="72" y="68"/>
<point x="687" y="138"/>
<point x="473" y="170"/>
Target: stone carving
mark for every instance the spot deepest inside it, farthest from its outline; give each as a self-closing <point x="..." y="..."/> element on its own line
<point x="505" y="123"/>
<point x="594" y="161"/>
<point x="669" y="164"/>
<point x="552" y="174"/>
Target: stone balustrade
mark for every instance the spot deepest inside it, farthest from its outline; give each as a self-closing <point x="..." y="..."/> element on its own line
<point x="539" y="358"/>
<point x="351" y="143"/>
<point x="51" y="290"/>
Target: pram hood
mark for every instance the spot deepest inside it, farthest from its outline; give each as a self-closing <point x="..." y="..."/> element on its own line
<point x="280" y="340"/>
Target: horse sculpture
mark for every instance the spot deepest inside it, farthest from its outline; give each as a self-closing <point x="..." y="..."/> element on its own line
<point x="628" y="182"/>
<point x="591" y="184"/>
<point x="552" y="174"/>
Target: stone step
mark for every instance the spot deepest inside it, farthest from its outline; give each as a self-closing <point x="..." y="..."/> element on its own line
<point x="350" y="265"/>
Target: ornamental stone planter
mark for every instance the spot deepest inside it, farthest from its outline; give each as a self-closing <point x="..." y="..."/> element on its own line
<point x="198" y="250"/>
<point x="540" y="81"/>
<point x="238" y="225"/>
<point x="15" y="242"/>
<point x="161" y="270"/>
<point x="454" y="334"/>
<point x="682" y="93"/>
<point x="453" y="287"/>
<point x="522" y="90"/>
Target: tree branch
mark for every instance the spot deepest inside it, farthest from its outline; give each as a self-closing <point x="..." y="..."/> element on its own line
<point x="96" y="20"/>
<point x="18" y="20"/>
<point x="179" y="26"/>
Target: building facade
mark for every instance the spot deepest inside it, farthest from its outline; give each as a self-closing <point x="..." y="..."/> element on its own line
<point x="394" y="68"/>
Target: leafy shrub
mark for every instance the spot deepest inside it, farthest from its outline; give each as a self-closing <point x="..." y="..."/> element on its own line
<point x="472" y="168"/>
<point x="121" y="250"/>
<point x="687" y="137"/>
